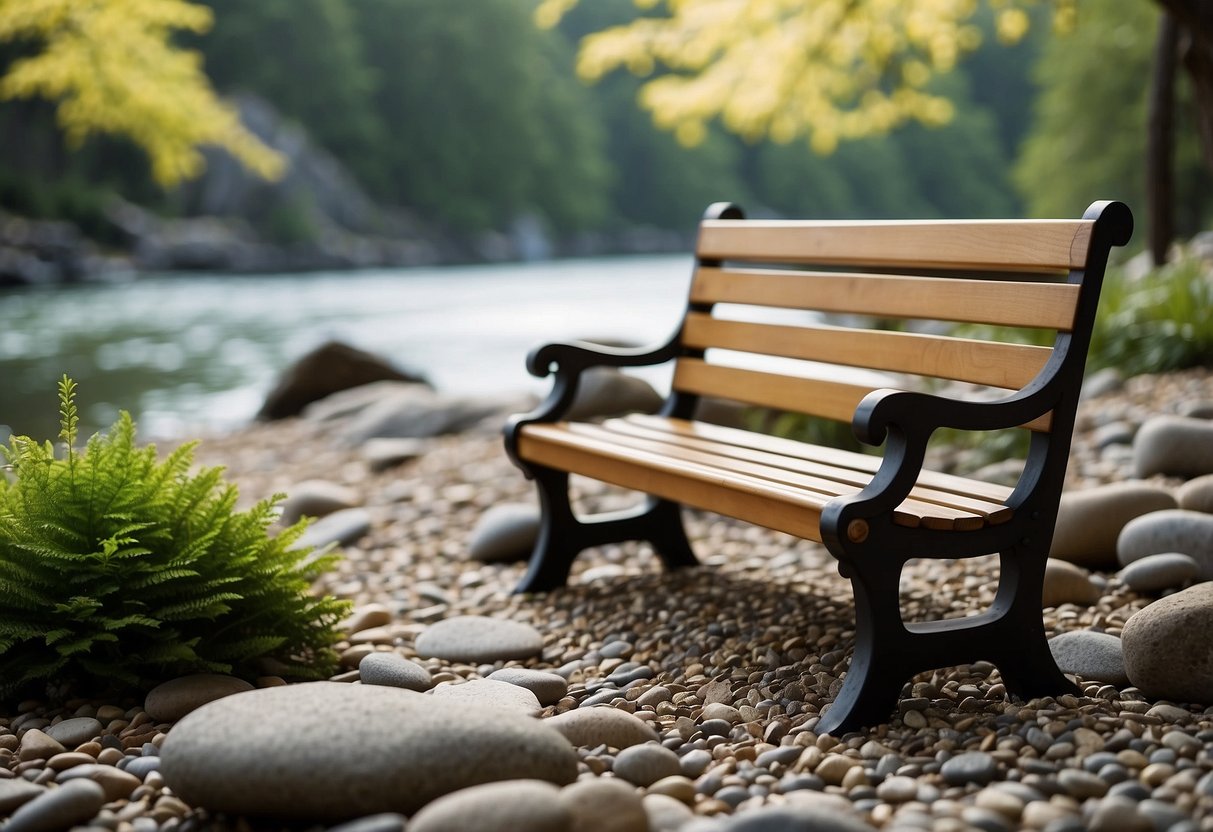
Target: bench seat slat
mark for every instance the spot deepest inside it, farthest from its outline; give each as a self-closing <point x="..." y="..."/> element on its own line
<point x="992" y="363"/>
<point x="998" y="302"/>
<point x="994" y="512"/>
<point x="827" y="398"/>
<point x="1018" y="245"/>
<point x="818" y="453"/>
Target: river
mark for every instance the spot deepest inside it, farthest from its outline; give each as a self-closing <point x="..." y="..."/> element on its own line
<point x="195" y="353"/>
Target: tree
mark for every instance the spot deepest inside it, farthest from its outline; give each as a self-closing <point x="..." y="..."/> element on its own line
<point x="112" y="68"/>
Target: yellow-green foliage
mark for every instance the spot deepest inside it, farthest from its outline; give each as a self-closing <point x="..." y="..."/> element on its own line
<point x="113" y="68"/>
<point x="829" y="69"/>
<point x="118" y="570"/>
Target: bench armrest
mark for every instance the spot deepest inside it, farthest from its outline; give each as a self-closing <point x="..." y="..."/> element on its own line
<point x="567" y="362"/>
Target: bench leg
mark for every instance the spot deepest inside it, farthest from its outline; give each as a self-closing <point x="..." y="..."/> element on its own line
<point x="562" y="535"/>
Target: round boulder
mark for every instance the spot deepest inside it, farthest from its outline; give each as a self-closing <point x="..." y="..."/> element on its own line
<point x="1176" y="530"/>
<point x="1154" y="573"/>
<point x="512" y="804"/>
<point x="1168" y="653"/>
<point x="330" y="751"/>
<point x="329" y="368"/>
<point x="604" y="391"/>
<point x="1089" y="521"/>
<point x="175" y="698"/>
<point x="477" y="638"/>
<point x="504" y="533"/>
<point x="1091" y="655"/>
<point x="1066" y="583"/>
<point x="1178" y="446"/>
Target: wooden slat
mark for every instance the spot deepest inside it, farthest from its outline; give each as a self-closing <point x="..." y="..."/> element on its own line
<point x="1012" y="245"/>
<point x="994" y="512"/>
<point x="826" y="398"/>
<point x="980" y="362"/>
<point x="829" y="456"/>
<point x="755" y="500"/>
<point x="998" y="302"/>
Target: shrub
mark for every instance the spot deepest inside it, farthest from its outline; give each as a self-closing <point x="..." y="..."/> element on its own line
<point x="118" y="570"/>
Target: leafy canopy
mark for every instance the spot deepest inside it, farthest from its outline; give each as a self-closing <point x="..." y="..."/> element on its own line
<point x="828" y="69"/>
<point x="112" y="67"/>
<point x="118" y="570"/>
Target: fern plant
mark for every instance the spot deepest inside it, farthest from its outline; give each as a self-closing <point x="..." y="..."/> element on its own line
<point x="119" y="570"/>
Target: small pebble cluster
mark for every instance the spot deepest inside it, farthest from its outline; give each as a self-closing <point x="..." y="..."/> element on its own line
<point x="641" y="700"/>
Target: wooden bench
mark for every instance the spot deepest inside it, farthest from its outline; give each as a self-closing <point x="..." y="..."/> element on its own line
<point x="874" y="513"/>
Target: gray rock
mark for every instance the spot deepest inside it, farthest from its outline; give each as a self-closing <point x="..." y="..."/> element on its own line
<point x="118" y="784"/>
<point x="329" y="368"/>
<point x="477" y="639"/>
<point x="171" y="700"/>
<point x="1091" y="655"/>
<point x="417" y="412"/>
<point x="588" y="727"/>
<point x="1176" y="530"/>
<point x="384" y="453"/>
<point x="1178" y="446"/>
<point x="794" y="818"/>
<point x="14" y="792"/>
<point x="57" y="809"/>
<point x="341" y="528"/>
<point x="1102" y="382"/>
<point x="73" y="732"/>
<point x="331" y="751"/>
<point x="664" y="813"/>
<point x="1089" y="521"/>
<point x="316" y="498"/>
<point x="36" y="743"/>
<point x="497" y="807"/>
<point x="504" y="533"/>
<point x="393" y="670"/>
<point x="1066" y="583"/>
<point x="485" y="693"/>
<point x="645" y="764"/>
<point x="1113" y="433"/>
<point x="604" y="391"/>
<point x="1197" y="409"/>
<point x="547" y="687"/>
<point x="1197" y="494"/>
<point x="604" y="805"/>
<point x="1154" y="573"/>
<point x="970" y="767"/>
<point x="365" y="617"/>
<point x="382" y="822"/>
<point x="1168" y="653"/>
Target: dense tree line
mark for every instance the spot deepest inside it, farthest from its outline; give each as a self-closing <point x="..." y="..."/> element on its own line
<point x="476" y="118"/>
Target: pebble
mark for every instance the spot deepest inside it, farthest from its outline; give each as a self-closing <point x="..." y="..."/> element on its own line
<point x="1154" y="573"/>
<point x="382" y="453"/>
<point x="487" y="693"/>
<point x="1081" y="784"/>
<point x="171" y="700"/>
<point x="505" y="533"/>
<point x="793" y="818"/>
<point x="695" y="762"/>
<point x="1197" y="494"/>
<point x="59" y="808"/>
<point x="589" y="727"/>
<point x="970" y="767"/>
<point x="834" y="768"/>
<point x="1168" y="654"/>
<point x="366" y="617"/>
<point x="1175" y="530"/>
<point x="1089" y="521"/>
<point x="604" y="391"/>
<point x="547" y="687"/>
<point x="118" y="784"/>
<point x="604" y="805"/>
<point x="1066" y="583"/>
<point x="382" y="822"/>
<point x="897" y="789"/>
<point x="1091" y="655"/>
<point x="393" y="670"/>
<point x="503" y="806"/>
<point x="477" y="639"/>
<point x="341" y="528"/>
<point x="37" y="744"/>
<point x="15" y="792"/>
<point x="280" y="752"/>
<point x="646" y="763"/>
<point x="1179" y="446"/>
<point x="316" y="498"/>
<point x="664" y="814"/>
<point x="73" y="732"/>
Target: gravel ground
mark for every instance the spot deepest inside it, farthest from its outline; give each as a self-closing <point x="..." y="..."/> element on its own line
<point x="761" y="633"/>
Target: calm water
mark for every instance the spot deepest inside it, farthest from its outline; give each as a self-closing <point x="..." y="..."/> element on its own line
<point x="196" y="353"/>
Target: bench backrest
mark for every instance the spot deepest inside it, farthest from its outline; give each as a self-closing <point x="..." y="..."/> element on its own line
<point x="1032" y="274"/>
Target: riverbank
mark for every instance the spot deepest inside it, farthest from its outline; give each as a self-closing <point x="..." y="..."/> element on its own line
<point x="731" y="662"/>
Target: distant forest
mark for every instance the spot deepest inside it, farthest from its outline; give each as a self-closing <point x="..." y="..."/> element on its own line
<point x="470" y="116"/>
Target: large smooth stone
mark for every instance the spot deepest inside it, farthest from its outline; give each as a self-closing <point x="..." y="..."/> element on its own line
<point x="171" y="700"/>
<point x="645" y="764"/>
<point x="328" y="369"/>
<point x="412" y="411"/>
<point x="1154" y="573"/>
<point x="1187" y="532"/>
<point x="1066" y="583"/>
<point x="331" y="751"/>
<point x="505" y="533"/>
<point x="479" y="694"/>
<point x="1197" y="494"/>
<point x="477" y="639"/>
<point x="1089" y="521"/>
<point x="547" y="687"/>
<point x="393" y="670"/>
<point x="602" y="804"/>
<point x="341" y="528"/>
<point x="69" y="805"/>
<point x="1178" y="446"/>
<point x="1091" y="655"/>
<point x="1168" y="652"/>
<point x="497" y="807"/>
<point x="75" y="731"/>
<point x="589" y="727"/>
<point x="316" y="498"/>
<point x="604" y="391"/>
